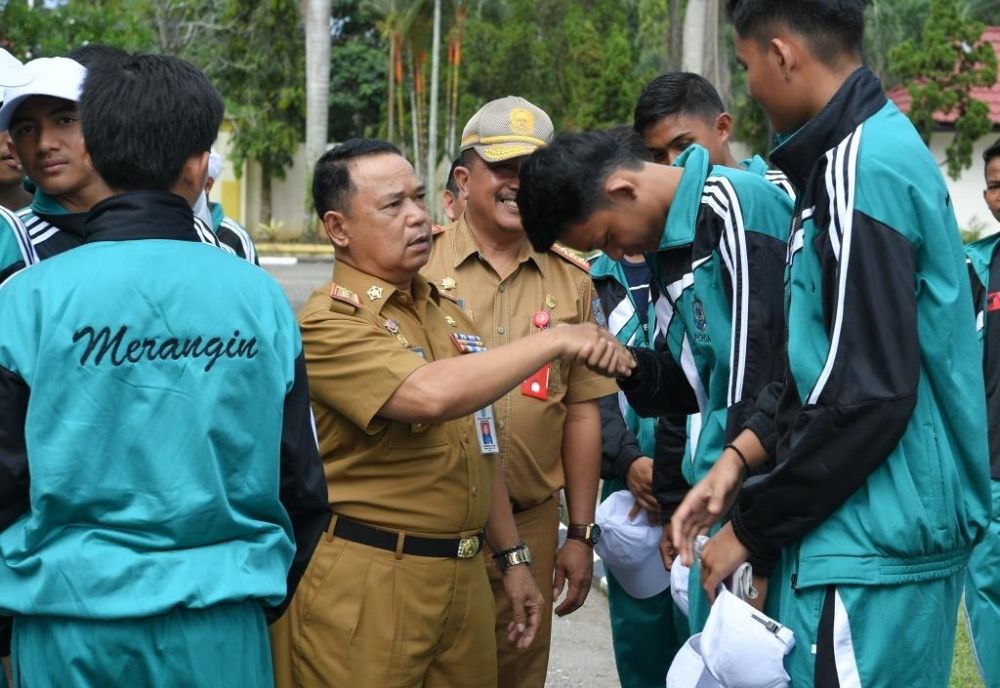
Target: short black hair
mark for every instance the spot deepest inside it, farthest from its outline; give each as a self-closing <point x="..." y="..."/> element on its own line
<point x="676" y="93"/>
<point x="562" y="184"/>
<point x="144" y="117"/>
<point x="451" y="184"/>
<point x="332" y="187"/>
<point x="627" y="137"/>
<point x="831" y="27"/>
<point x="991" y="152"/>
<point x="466" y="157"/>
<point x="94" y="54"/>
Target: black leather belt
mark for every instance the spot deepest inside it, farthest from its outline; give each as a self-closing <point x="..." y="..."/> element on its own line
<point x="457" y="548"/>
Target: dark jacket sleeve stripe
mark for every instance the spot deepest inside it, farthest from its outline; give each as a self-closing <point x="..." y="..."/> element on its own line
<point x="619" y="446"/>
<point x="14" y="479"/>
<point x="303" y="490"/>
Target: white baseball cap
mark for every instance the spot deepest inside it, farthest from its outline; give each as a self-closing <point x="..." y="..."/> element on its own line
<point x="214" y="165"/>
<point x="744" y="648"/>
<point x="679" y="577"/>
<point x="58" y="77"/>
<point x="12" y="72"/>
<point x="631" y="548"/>
<point x="688" y="668"/>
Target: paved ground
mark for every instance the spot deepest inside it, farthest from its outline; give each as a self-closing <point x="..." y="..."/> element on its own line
<point x="581" y="643"/>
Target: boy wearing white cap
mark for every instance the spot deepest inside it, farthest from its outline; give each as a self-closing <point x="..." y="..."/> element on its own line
<point x="47" y="137"/>
<point x="15" y="246"/>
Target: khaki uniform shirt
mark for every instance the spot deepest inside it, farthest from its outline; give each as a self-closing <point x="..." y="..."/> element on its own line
<point x="362" y="338"/>
<point x="529" y="430"/>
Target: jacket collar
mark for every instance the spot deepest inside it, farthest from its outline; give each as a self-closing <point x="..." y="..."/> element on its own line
<point x="682" y="216"/>
<point x="858" y="98"/>
<point x="50" y="210"/>
<point x="141" y="215"/>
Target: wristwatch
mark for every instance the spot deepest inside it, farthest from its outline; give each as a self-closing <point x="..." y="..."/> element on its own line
<point x="512" y="556"/>
<point x="589" y="534"/>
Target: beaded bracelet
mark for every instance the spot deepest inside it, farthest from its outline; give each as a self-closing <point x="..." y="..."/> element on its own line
<point x="743" y="458"/>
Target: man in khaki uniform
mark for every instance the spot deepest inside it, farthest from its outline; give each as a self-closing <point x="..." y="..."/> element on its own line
<point x="396" y="593"/>
<point x="549" y="427"/>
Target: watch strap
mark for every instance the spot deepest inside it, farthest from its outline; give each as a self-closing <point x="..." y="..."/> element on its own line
<point x="583" y="533"/>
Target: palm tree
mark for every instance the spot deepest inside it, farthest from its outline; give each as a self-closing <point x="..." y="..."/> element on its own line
<point x="394" y="18"/>
<point x="317" y="25"/>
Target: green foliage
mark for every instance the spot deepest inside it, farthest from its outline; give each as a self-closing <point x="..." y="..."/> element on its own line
<point x="940" y="69"/>
<point x="573" y="58"/>
<point x="357" y="86"/>
<point x="260" y="71"/>
<point x="52" y="31"/>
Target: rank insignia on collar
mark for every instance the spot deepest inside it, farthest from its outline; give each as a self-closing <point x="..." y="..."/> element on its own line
<point x="343" y="294"/>
<point x="467" y="343"/>
<point x="448" y="283"/>
<point x="374" y="292"/>
<point x="550" y="301"/>
<point x="402" y="340"/>
<point x="392" y="326"/>
<point x="451" y="321"/>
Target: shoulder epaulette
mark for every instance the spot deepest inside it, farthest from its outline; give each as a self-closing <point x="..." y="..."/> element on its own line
<point x="341" y="295"/>
<point x="570" y="257"/>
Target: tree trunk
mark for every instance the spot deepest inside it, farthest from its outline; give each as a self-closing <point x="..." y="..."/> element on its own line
<point x="317" y="86"/>
<point x="695" y="46"/>
<point x="266" y="199"/>
<point x="675" y="44"/>
<point x="391" y="101"/>
<point x="432" y="128"/>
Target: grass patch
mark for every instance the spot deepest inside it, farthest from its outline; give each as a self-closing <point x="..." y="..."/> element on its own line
<point x="963" y="667"/>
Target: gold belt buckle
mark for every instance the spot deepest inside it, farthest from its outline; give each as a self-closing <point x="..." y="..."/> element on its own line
<point x="468" y="547"/>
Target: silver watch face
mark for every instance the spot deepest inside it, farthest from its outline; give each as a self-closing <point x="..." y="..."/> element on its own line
<point x="595" y="534"/>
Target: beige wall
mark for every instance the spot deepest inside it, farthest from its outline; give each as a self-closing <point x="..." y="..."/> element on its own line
<point x="967" y="190"/>
<point x="241" y="196"/>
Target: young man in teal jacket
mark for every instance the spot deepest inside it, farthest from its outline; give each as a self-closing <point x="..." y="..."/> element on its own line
<point x="715" y="239"/>
<point x="160" y="486"/>
<point x="879" y="427"/>
<point x="982" y="582"/>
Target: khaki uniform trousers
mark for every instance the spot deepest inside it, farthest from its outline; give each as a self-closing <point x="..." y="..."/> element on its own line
<point x="539" y="528"/>
<point x="363" y="617"/>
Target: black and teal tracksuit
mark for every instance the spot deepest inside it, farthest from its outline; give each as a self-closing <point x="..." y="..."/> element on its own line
<point x="647" y="633"/>
<point x="157" y="456"/>
<point x="982" y="582"/>
<point x="16" y="250"/>
<point x="718" y="272"/>
<point x="52" y="229"/>
<point x="879" y="427"/>
<point x="233" y="234"/>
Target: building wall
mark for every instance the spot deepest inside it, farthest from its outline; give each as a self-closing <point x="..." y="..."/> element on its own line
<point x="241" y="197"/>
<point x="967" y="190"/>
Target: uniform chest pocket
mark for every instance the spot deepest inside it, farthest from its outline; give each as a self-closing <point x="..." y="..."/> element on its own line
<point x="417" y="436"/>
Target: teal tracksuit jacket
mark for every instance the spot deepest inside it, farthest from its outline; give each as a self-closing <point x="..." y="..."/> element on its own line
<point x="718" y="272"/>
<point x="879" y="427"/>
<point x="156" y="445"/>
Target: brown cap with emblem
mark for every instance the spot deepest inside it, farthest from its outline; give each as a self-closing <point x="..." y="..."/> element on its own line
<point x="507" y="128"/>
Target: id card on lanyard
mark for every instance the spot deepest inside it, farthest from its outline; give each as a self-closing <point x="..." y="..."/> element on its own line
<point x="486" y="431"/>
